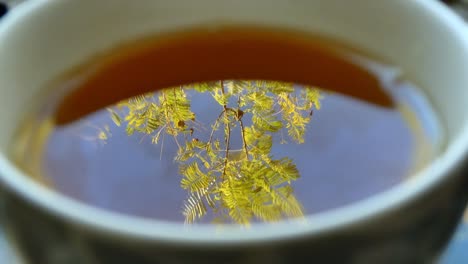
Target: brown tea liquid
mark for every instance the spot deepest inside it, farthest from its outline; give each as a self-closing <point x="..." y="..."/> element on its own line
<point x="374" y="130"/>
<point x="217" y="54"/>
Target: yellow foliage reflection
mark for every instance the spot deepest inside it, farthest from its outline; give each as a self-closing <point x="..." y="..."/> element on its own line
<point x="238" y="185"/>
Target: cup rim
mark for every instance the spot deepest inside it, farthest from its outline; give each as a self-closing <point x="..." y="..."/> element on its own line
<point x="116" y="224"/>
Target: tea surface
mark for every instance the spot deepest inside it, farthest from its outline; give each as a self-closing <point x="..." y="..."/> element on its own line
<point x="229" y="150"/>
<point x="350" y="150"/>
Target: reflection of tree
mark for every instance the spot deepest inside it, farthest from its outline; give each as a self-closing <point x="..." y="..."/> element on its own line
<point x="238" y="185"/>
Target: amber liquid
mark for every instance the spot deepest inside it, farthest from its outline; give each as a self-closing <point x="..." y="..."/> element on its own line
<point x="373" y="131"/>
<point x="217" y="54"/>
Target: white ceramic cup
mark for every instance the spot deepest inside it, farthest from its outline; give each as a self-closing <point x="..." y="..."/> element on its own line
<point x="409" y="223"/>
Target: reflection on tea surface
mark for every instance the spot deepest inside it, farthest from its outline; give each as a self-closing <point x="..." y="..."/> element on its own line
<point x="238" y="151"/>
<point x="225" y="157"/>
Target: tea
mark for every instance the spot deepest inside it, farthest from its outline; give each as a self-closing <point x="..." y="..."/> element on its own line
<point x="215" y="53"/>
<point x="229" y="149"/>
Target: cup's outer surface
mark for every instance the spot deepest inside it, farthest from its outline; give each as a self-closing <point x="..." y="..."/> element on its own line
<point x="416" y="233"/>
